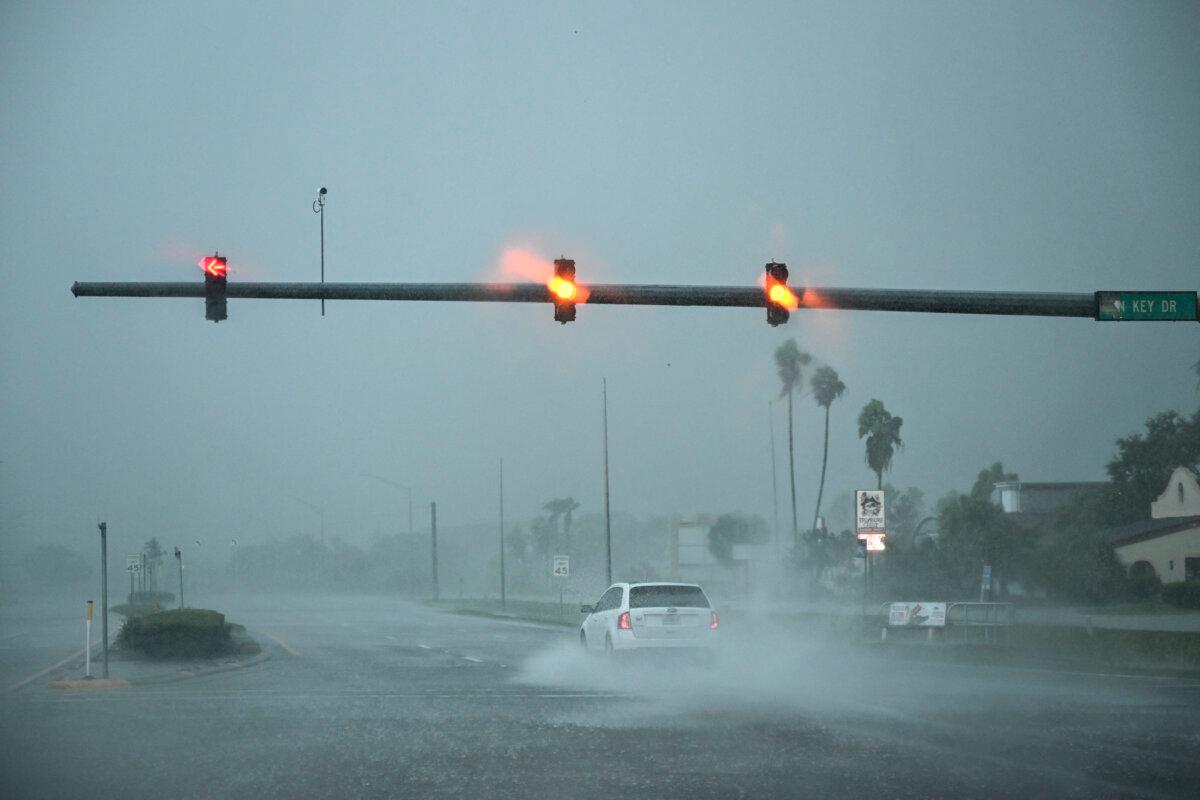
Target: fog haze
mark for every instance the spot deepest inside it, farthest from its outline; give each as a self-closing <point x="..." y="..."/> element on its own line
<point x="936" y="146"/>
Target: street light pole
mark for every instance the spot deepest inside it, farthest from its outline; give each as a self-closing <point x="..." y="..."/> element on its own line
<point x="433" y="542"/>
<point x="503" y="594"/>
<point x="104" y="590"/>
<point x="319" y="510"/>
<point x="607" y="523"/>
<point x="774" y="478"/>
<point x="179" y="558"/>
<point x="319" y="208"/>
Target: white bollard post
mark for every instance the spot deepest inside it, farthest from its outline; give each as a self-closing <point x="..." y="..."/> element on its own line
<point x="87" y="643"/>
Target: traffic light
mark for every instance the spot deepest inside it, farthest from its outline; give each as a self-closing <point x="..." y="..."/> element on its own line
<point x="780" y="299"/>
<point x="565" y="292"/>
<point x="216" y="270"/>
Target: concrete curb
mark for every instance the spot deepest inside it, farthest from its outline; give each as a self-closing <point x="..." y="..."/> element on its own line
<point x="185" y="674"/>
<point x="83" y="684"/>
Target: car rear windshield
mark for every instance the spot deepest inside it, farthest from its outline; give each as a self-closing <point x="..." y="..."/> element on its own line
<point x="670" y="596"/>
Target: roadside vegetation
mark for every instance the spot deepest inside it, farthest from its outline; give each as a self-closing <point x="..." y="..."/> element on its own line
<point x="183" y="633"/>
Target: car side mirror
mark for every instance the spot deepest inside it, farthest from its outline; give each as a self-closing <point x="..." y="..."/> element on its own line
<point x="586" y="609"/>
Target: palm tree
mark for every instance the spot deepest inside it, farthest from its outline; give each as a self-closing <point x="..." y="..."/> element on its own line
<point x="562" y="507"/>
<point x="883" y="437"/>
<point x="826" y="387"/>
<point x="789" y="358"/>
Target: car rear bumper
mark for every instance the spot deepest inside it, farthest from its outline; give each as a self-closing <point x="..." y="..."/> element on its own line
<point x="625" y="640"/>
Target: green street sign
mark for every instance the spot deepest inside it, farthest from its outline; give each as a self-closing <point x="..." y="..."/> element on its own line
<point x="1146" y="306"/>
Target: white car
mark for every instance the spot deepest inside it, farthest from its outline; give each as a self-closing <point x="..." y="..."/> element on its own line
<point x="641" y="616"/>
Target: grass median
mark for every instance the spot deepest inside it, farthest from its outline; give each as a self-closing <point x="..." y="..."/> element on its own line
<point x="549" y="613"/>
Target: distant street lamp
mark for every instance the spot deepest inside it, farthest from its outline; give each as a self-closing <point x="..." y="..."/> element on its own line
<point x="315" y="509"/>
<point x="393" y="483"/>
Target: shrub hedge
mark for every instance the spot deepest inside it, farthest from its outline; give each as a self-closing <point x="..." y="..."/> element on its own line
<point x="1183" y="595"/>
<point x="180" y="633"/>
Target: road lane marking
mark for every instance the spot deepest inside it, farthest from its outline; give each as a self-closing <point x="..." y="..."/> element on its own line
<point x="49" y="669"/>
<point x="476" y="660"/>
<point x="424" y="647"/>
<point x="283" y="644"/>
<point x="393" y="638"/>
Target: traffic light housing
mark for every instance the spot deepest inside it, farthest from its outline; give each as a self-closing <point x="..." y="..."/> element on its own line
<point x="216" y="271"/>
<point x="564" y="290"/>
<point x="780" y="298"/>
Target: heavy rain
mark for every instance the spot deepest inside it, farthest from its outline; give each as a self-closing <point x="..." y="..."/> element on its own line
<point x="560" y="400"/>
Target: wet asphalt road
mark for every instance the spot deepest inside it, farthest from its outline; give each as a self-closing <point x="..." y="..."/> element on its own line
<point x="370" y="697"/>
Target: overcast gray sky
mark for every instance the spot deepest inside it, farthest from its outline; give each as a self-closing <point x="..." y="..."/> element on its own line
<point x="1024" y="146"/>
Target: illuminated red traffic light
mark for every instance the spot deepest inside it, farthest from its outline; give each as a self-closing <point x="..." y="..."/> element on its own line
<point x="563" y="287"/>
<point x="216" y="273"/>
<point x="215" y="266"/>
<point x="780" y="298"/>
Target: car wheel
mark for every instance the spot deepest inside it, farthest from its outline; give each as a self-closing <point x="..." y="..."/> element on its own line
<point x="583" y="640"/>
<point x="608" y="645"/>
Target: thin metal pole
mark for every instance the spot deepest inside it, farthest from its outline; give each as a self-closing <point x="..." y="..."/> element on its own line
<point x="792" y="471"/>
<point x="433" y="538"/>
<point x="774" y="476"/>
<point x="104" y="590"/>
<point x="607" y="519"/>
<point x="503" y="592"/>
<point x="179" y="558"/>
<point x="322" y="204"/>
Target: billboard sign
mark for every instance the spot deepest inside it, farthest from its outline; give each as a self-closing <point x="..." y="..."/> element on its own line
<point x="917" y="615"/>
<point x="869" y="511"/>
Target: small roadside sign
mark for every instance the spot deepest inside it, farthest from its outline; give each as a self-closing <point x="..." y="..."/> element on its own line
<point x="917" y="615"/>
<point x="562" y="566"/>
<point x="1146" y="306"/>
<point x="986" y="579"/>
<point x="133" y="563"/>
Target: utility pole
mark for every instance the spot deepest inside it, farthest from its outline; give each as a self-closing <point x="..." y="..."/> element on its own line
<point x="104" y="591"/>
<point x="433" y="537"/>
<point x="319" y="208"/>
<point x="607" y="521"/>
<point x="774" y="479"/>
<point x="179" y="558"/>
<point x="503" y="593"/>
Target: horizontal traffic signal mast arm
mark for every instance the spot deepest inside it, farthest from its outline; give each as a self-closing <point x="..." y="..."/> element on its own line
<point x="1045" y="304"/>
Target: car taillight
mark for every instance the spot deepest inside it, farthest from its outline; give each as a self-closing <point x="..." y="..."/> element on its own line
<point x="712" y="626"/>
<point x="623" y="621"/>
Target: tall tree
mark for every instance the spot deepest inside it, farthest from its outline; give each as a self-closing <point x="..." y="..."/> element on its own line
<point x="563" y="507"/>
<point x="790" y="360"/>
<point x="883" y="437"/>
<point x="985" y="482"/>
<point x="1144" y="463"/>
<point x="826" y="387"/>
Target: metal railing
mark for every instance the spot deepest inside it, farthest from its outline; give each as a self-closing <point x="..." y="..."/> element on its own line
<point x="966" y="621"/>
